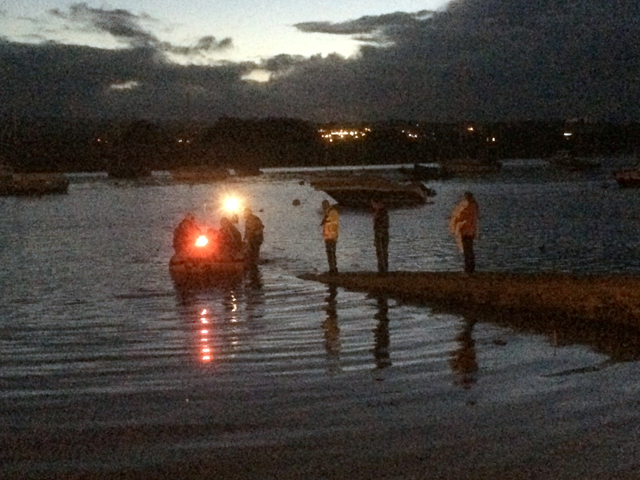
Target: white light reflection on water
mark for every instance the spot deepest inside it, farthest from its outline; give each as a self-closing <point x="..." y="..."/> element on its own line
<point x="92" y="324"/>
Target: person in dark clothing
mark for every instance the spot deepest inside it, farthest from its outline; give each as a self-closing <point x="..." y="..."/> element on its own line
<point x="230" y="240"/>
<point x="253" y="236"/>
<point x="381" y="234"/>
<point x="185" y="235"/>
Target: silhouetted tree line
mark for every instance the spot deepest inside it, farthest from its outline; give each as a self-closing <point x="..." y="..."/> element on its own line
<point x="58" y="144"/>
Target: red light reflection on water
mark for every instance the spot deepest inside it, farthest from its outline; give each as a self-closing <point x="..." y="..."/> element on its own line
<point x="204" y="347"/>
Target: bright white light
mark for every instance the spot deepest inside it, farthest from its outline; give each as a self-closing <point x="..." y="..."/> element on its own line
<point x="201" y="241"/>
<point x="232" y="204"/>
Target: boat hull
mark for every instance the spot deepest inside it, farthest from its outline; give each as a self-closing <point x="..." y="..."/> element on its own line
<point x="360" y="192"/>
<point x="35" y="184"/>
<point x="197" y="271"/>
<point x="470" y="167"/>
<point x="629" y="178"/>
<point x="199" y="174"/>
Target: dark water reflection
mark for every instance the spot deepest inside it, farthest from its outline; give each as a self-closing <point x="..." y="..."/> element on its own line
<point x="110" y="365"/>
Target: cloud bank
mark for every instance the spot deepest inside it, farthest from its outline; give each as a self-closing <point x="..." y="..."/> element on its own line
<point x="478" y="59"/>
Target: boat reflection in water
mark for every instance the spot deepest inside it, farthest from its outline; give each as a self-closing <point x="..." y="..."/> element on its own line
<point x="218" y="309"/>
<point x="205" y="343"/>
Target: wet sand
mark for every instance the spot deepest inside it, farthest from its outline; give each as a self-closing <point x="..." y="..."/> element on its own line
<point x="362" y="433"/>
<point x="611" y="299"/>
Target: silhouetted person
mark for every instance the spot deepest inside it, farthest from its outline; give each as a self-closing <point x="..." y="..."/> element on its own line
<point x="230" y="240"/>
<point x="185" y="235"/>
<point x="253" y="236"/>
<point x="381" y="234"/>
<point x="464" y="226"/>
<point x="330" y="228"/>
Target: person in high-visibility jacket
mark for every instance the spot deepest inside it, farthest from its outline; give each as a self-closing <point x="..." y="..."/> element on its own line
<point x="330" y="227"/>
<point x="464" y="226"/>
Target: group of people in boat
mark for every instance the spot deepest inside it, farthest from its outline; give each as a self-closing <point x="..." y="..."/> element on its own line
<point x="192" y="240"/>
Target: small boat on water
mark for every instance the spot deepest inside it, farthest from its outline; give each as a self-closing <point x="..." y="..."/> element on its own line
<point x="470" y="166"/>
<point x="628" y="177"/>
<point x="23" y="184"/>
<point x="359" y="191"/>
<point x="422" y="172"/>
<point x="199" y="174"/>
<point x="206" y="262"/>
<point x="247" y="171"/>
<point x="568" y="161"/>
<point x="126" y="166"/>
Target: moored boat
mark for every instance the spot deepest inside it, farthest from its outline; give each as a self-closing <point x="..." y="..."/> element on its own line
<point x="19" y="184"/>
<point x="422" y="172"/>
<point x="568" y="161"/>
<point x="199" y="174"/>
<point x="628" y="177"/>
<point x="470" y="166"/>
<point x="358" y="192"/>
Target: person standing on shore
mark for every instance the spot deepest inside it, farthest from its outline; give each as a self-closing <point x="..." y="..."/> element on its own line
<point x="464" y="226"/>
<point x="381" y="234"/>
<point x="253" y="236"/>
<point x="330" y="227"/>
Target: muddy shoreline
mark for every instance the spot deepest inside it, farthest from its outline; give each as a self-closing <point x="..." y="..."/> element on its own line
<point x="613" y="299"/>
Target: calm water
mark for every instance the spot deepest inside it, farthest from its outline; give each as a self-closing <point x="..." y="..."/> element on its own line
<point x="97" y="343"/>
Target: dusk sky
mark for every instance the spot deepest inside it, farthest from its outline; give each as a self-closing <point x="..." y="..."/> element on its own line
<point x="326" y="60"/>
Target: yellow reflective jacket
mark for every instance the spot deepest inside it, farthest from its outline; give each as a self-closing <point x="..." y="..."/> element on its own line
<point x="464" y="219"/>
<point x="330" y="224"/>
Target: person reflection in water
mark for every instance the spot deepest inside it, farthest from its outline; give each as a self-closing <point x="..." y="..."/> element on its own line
<point x="381" y="334"/>
<point x="332" y="331"/>
<point x="463" y="360"/>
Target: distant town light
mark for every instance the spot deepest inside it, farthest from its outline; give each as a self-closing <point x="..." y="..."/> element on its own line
<point x="567" y="134"/>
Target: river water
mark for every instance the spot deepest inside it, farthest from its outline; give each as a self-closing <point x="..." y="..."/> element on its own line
<point x="108" y="368"/>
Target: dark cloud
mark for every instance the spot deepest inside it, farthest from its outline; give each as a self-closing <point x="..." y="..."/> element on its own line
<point x="204" y="45"/>
<point x="478" y="59"/>
<point x="127" y="27"/>
<point x="369" y="28"/>
<point x="119" y="23"/>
